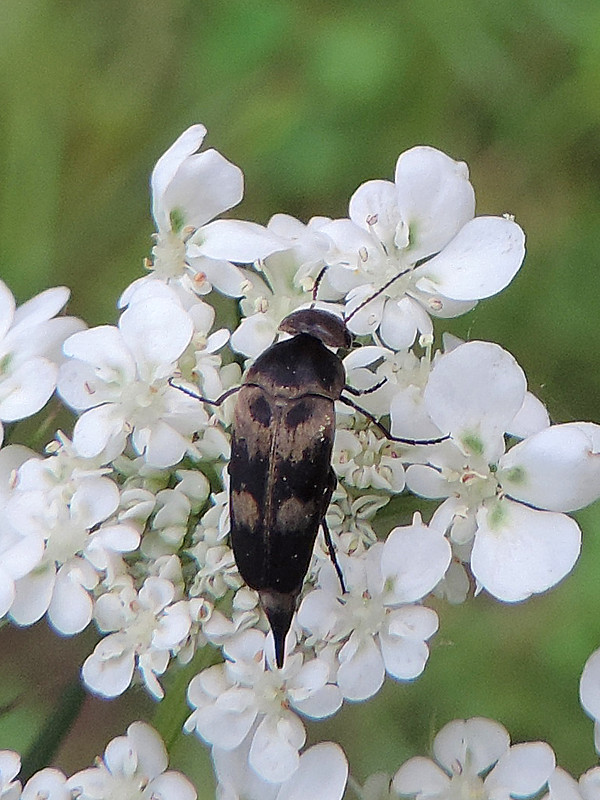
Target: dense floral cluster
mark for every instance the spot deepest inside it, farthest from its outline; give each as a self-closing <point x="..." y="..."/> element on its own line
<point x="127" y="523"/>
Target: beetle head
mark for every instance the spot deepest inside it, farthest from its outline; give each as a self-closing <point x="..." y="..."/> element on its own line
<point x="323" y="325"/>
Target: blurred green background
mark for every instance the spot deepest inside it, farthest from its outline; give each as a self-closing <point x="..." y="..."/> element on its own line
<point x="310" y="99"/>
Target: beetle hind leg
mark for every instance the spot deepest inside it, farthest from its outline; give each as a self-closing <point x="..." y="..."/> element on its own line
<point x="332" y="554"/>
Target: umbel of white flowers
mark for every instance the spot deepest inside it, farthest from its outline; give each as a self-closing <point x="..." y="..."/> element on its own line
<point x="126" y="524"/>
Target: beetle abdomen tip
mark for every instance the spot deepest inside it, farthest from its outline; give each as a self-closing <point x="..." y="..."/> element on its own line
<point x="279" y="608"/>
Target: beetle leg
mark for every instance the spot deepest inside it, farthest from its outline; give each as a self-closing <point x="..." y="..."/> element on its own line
<point x="199" y="397"/>
<point x="360" y="392"/>
<point x="347" y="401"/>
<point x="332" y="555"/>
<point x="326" y="533"/>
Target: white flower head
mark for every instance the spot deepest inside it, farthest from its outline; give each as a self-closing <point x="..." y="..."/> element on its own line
<point x="464" y="751"/>
<point x="144" y="629"/>
<point x="118" y="379"/>
<point x="189" y="188"/>
<point x="417" y="242"/>
<point x="240" y="697"/>
<point x="79" y="543"/>
<point x="377" y="627"/>
<point x="322" y="772"/>
<point x="31" y="337"/>
<point x="504" y="506"/>
<point x="134" y="766"/>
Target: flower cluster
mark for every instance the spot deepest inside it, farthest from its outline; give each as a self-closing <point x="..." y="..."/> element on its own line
<point x="126" y="524"/>
<point x="134" y="766"/>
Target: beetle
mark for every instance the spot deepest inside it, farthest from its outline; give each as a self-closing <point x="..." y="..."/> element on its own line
<point x="281" y="477"/>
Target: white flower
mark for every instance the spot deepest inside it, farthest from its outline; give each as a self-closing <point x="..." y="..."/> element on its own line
<point x="561" y="786"/>
<point x="349" y="520"/>
<point x="118" y="378"/>
<point x="589" y="786"/>
<point x="144" y="629"/>
<point x="233" y="697"/>
<point x="503" y="505"/>
<point x="30" y="340"/>
<point x="376" y="620"/>
<point x="267" y="302"/>
<point x="189" y="188"/>
<point x="466" y="749"/>
<point x="49" y="784"/>
<point x="422" y="224"/>
<point x="19" y="554"/>
<point x="76" y="546"/>
<point x="322" y="773"/>
<point x="366" y="461"/>
<point x="10" y="764"/>
<point x="589" y="686"/>
<point x="134" y="767"/>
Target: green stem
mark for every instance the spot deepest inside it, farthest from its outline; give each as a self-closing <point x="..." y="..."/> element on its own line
<point x="46" y="743"/>
<point x="173" y="710"/>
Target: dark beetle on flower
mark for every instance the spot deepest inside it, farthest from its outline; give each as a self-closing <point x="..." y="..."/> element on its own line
<point x="280" y="469"/>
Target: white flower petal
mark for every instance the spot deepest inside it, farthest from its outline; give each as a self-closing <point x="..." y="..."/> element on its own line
<point x="166" y="167"/>
<point x="420" y="776"/>
<point x="480" y="261"/>
<point x="7" y="309"/>
<point x="98" y="427"/>
<point x="205" y="185"/>
<point x="156" y="330"/>
<point x="108" y="677"/>
<point x="48" y="783"/>
<point x="474" y="743"/>
<point x="104" y="349"/>
<point x="414" y="559"/>
<point x="557" y="468"/>
<point x="94" y="500"/>
<point x="523" y="769"/>
<point x="322" y="773"/>
<point x="223" y="727"/>
<point x="368" y="319"/>
<point x="404" y="659"/>
<point x="400" y="322"/>
<point x="320" y="704"/>
<point x="172" y="786"/>
<point x="161" y="445"/>
<point x="23" y="555"/>
<point x="374" y="206"/>
<point x="150" y="750"/>
<point x="474" y="393"/>
<point x="32" y="595"/>
<point x="361" y="670"/>
<point x="27" y="388"/>
<point x="531" y="417"/>
<point x="253" y="335"/>
<point x="274" y="750"/>
<point x="563" y="787"/>
<point x="435" y="198"/>
<point x="589" y="783"/>
<point x="41" y="307"/>
<point x="70" y="609"/>
<point x="426" y="481"/>
<point x="221" y="274"/>
<point x="589" y="686"/>
<point x="519" y="551"/>
<point x="236" y="240"/>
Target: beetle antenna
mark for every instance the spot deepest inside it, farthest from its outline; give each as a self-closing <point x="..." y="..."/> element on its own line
<point x="378" y="292"/>
<point x="318" y="280"/>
